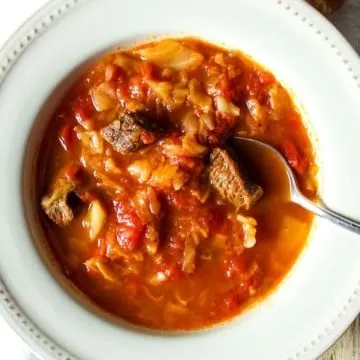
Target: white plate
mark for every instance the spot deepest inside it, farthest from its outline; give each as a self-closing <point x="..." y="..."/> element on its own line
<point x="322" y="294"/>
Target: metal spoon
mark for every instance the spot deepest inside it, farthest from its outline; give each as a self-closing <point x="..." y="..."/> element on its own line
<point x="296" y="195"/>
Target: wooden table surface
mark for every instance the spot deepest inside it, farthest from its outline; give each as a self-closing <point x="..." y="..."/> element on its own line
<point x="348" y="346"/>
<point x="347" y="21"/>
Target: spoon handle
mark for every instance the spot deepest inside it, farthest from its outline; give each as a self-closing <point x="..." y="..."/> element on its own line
<point x="328" y="214"/>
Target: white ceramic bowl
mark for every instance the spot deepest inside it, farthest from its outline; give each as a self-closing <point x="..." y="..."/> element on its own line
<point x="319" y="298"/>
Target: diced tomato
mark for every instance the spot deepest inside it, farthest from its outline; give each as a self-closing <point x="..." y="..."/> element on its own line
<point x="66" y="137"/>
<point x="266" y="77"/>
<point x="224" y="86"/>
<point x="172" y="272"/>
<point x="293" y="157"/>
<point x="129" y="238"/>
<point x="147" y="137"/>
<point x="294" y="122"/>
<point x="122" y="92"/>
<point x="234" y="266"/>
<point x="147" y="70"/>
<point x="181" y="200"/>
<point x="82" y="114"/>
<point x="137" y="88"/>
<point x="126" y="215"/>
<point x="130" y="230"/>
<point x="229" y="119"/>
<point x="252" y="87"/>
<point x="73" y="172"/>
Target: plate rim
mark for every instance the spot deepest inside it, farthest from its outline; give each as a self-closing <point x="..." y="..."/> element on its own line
<point x="16" y="46"/>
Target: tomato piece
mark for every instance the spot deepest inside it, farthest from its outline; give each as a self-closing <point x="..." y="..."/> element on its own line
<point x="294" y="121"/>
<point x="126" y="215"/>
<point x="147" y="70"/>
<point x="66" y="137"/>
<point x="293" y="157"/>
<point x="252" y="87"/>
<point x="172" y="272"/>
<point x="130" y="230"/>
<point x="82" y="114"/>
<point x="234" y="266"/>
<point x="147" y="138"/>
<point x="122" y="92"/>
<point x="223" y="86"/>
<point x="73" y="172"/>
<point x="266" y="78"/>
<point x="129" y="238"/>
<point x="229" y="119"/>
<point x="137" y="88"/>
<point x="181" y="200"/>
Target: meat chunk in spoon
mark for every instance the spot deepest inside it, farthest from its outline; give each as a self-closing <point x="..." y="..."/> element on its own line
<point x="230" y="180"/>
<point x="130" y="132"/>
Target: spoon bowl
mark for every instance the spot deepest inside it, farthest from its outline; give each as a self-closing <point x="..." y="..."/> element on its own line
<point x="295" y="194"/>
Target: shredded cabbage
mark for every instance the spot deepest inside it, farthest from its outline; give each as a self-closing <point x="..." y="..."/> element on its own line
<point x="173" y="96"/>
<point x="162" y="176"/>
<point x="249" y="227"/>
<point x="256" y="110"/>
<point x="103" y="96"/>
<point x="141" y="170"/>
<point x="128" y="64"/>
<point x="198" y="97"/>
<point x="99" y="264"/>
<point x="226" y="107"/>
<point x="188" y="147"/>
<point x="92" y="140"/>
<point x="151" y="240"/>
<point x="208" y="120"/>
<point x="188" y="265"/>
<point x="190" y="123"/>
<point x="111" y="167"/>
<point x="171" y="54"/>
<point x="95" y="219"/>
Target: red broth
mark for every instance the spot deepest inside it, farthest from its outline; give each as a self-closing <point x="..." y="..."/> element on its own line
<point x="136" y="223"/>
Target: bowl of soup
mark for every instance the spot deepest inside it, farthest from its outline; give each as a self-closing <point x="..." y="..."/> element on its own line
<point x="149" y="208"/>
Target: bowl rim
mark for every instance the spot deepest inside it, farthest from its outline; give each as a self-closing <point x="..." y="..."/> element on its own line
<point x="31" y="29"/>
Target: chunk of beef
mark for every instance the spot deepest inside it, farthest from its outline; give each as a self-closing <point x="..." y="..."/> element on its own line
<point x="55" y="203"/>
<point x="231" y="181"/>
<point x="130" y="132"/>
